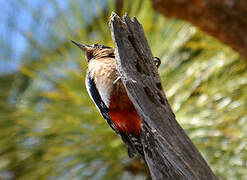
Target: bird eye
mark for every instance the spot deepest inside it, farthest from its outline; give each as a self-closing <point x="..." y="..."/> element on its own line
<point x="95" y="45"/>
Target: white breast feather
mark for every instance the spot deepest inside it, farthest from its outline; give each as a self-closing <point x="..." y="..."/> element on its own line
<point x="103" y="80"/>
<point x="105" y="91"/>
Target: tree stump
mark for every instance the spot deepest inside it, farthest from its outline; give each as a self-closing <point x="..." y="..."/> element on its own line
<point x="169" y="153"/>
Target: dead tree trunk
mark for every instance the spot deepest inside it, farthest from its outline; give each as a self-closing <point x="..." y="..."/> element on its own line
<point x="169" y="153"/>
<point x="223" y="19"/>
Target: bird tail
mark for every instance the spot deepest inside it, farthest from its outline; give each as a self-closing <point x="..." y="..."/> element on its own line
<point x="134" y="144"/>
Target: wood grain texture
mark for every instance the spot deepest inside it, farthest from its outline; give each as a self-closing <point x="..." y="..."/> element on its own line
<point x="226" y="20"/>
<point x="169" y="153"/>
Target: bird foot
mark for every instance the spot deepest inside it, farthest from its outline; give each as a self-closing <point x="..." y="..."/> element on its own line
<point x="157" y="61"/>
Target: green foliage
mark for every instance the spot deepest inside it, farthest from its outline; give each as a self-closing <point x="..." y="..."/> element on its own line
<point x="206" y="86"/>
<point x="51" y="129"/>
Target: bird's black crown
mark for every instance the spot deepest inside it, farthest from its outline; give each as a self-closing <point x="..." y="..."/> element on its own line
<point x="101" y="46"/>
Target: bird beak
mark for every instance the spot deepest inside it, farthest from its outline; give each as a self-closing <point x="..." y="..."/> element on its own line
<point x="83" y="47"/>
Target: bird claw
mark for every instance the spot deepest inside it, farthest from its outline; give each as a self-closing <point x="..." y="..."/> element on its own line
<point x="118" y="78"/>
<point x="157" y="61"/>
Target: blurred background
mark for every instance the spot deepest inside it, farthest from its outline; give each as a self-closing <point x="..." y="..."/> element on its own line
<point x="49" y="127"/>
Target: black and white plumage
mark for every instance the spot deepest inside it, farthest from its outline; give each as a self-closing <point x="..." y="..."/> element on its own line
<point x="95" y="96"/>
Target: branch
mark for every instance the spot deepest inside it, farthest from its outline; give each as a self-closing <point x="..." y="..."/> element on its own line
<point x="226" y="20"/>
<point x="169" y="153"/>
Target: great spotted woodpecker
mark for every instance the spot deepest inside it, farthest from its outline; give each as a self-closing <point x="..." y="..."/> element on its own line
<point x="110" y="97"/>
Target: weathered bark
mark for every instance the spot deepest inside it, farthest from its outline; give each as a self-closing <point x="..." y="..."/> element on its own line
<point x="224" y="19"/>
<point x="169" y="153"/>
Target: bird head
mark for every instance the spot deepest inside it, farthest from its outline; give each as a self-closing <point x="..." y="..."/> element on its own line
<point x="95" y="50"/>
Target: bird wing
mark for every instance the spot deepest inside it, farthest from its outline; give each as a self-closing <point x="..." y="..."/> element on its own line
<point x="95" y="96"/>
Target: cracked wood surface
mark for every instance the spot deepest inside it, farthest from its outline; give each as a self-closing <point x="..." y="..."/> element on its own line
<point x="169" y="153"/>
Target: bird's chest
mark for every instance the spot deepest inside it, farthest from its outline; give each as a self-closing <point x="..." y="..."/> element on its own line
<point x="104" y="75"/>
<point x="113" y="94"/>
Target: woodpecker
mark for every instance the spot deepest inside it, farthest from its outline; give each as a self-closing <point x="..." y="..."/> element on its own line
<point x="110" y="97"/>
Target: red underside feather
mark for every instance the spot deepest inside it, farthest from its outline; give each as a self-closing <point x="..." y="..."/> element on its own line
<point x="124" y="115"/>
